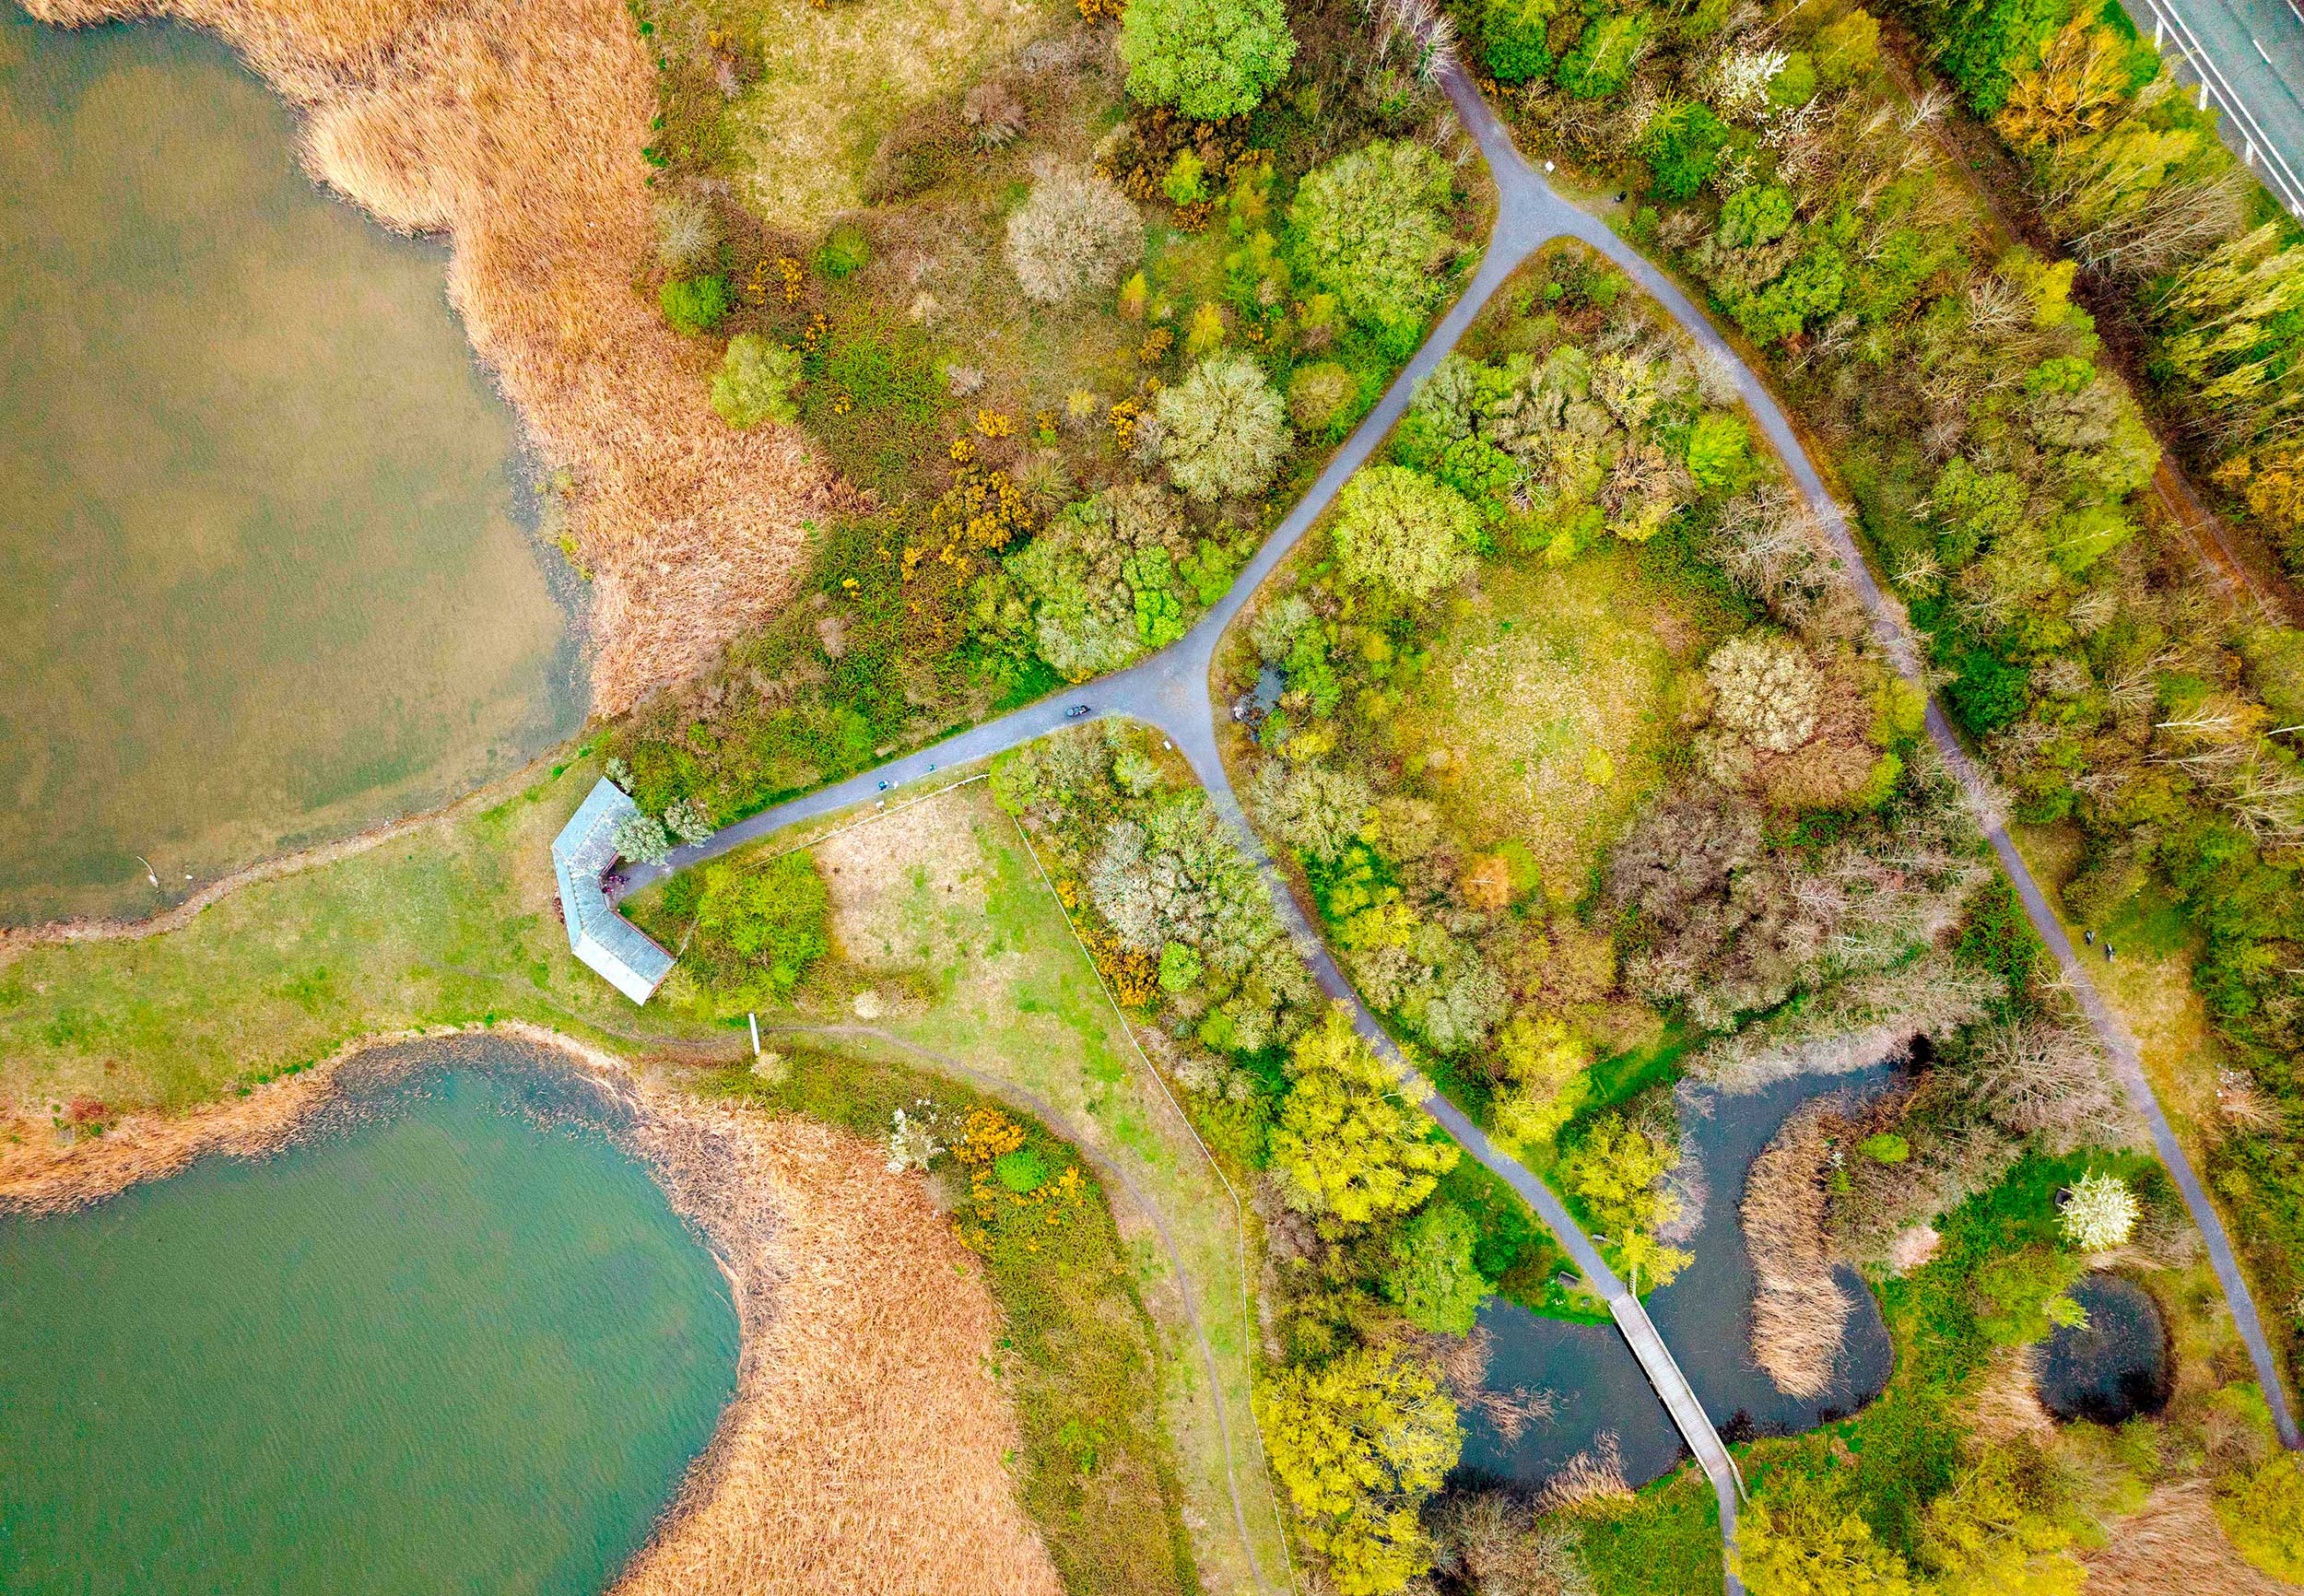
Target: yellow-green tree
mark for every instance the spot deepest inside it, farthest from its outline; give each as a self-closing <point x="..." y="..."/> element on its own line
<point x="1614" y="1170"/>
<point x="1544" y="1060"/>
<point x="1799" y="1542"/>
<point x="2262" y="1511"/>
<point x="1994" y="1534"/>
<point x="1349" y="1146"/>
<point x="1358" y="1444"/>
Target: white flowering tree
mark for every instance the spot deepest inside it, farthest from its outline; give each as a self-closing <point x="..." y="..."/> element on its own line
<point x="2100" y="1212"/>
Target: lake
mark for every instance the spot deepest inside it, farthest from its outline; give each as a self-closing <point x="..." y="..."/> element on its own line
<point x="264" y="573"/>
<point x="1705" y="1316"/>
<point x="453" y="1340"/>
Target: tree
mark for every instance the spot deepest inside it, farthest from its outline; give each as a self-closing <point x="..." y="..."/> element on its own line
<point x="1316" y="810"/>
<point x="694" y="304"/>
<point x="1074" y="234"/>
<point x="1320" y="394"/>
<point x="755" y="381"/>
<point x="1368" y="227"/>
<point x="2262" y="1511"/>
<point x="1798" y="1540"/>
<point x="1349" y="1147"/>
<point x="1359" y="1444"/>
<point x="2019" y="1297"/>
<point x="1515" y="38"/>
<point x="1223" y="428"/>
<point x="2100" y="1213"/>
<point x="1759" y="213"/>
<point x="1541" y="1059"/>
<point x="1400" y="530"/>
<point x="1720" y="450"/>
<point x="760" y="930"/>
<point x="1995" y="1533"/>
<point x="1210" y="59"/>
<point x="1681" y="143"/>
<point x="1432" y="1275"/>
<point x="640" y="838"/>
<point x="1615" y="1168"/>
<point x="1765" y="690"/>
<point x="1605" y="55"/>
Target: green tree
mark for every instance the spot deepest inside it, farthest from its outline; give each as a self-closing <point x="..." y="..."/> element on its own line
<point x="755" y="381"/>
<point x="1756" y="215"/>
<point x="1799" y="1540"/>
<point x="695" y="304"/>
<point x="1605" y="56"/>
<point x="1544" y="1061"/>
<point x="760" y="929"/>
<point x="1400" y="530"/>
<point x="1369" y="227"/>
<point x="1359" y="1444"/>
<point x="1681" y="143"/>
<point x="1432" y="1275"/>
<point x="1720" y="450"/>
<point x="1348" y="1145"/>
<point x="1207" y="58"/>
<point x="1514" y="38"/>
<point x="1996" y="1532"/>
<point x="1615" y="1168"/>
<point x="1223" y="430"/>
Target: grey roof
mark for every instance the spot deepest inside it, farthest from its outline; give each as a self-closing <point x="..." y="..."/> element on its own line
<point x="596" y="932"/>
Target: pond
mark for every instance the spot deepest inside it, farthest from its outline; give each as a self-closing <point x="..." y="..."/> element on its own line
<point x="263" y="575"/>
<point x="455" y="1340"/>
<point x="2115" y="1367"/>
<point x="1602" y="1396"/>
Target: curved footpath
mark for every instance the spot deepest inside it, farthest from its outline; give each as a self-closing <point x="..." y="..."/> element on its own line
<point x="1169" y="691"/>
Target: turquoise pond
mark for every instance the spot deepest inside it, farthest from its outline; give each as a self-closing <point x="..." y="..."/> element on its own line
<point x="453" y="1340"/>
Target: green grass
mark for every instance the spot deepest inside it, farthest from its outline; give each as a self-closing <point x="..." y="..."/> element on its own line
<point x="1666" y="1543"/>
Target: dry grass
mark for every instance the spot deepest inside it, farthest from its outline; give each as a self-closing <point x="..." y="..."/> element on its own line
<point x="835" y="79"/>
<point x="516" y="129"/>
<point x="1592" y="1477"/>
<point x="1799" y="1313"/>
<point x="2008" y="1405"/>
<point x="2174" y="1547"/>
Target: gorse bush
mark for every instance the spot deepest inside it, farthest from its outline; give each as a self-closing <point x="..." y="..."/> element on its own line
<point x="1209" y="59"/>
<point x="1075" y="234"/>
<point x="695" y="305"/>
<point x="1223" y="431"/>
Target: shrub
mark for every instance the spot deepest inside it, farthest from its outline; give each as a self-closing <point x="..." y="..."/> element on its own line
<point x="1223" y="431"/>
<point x="1888" y="1148"/>
<point x="1604" y="58"/>
<point x="1320" y="394"/>
<point x="688" y="234"/>
<point x="1400" y="530"/>
<point x="1209" y="59"/>
<point x="845" y="252"/>
<point x="1076" y="233"/>
<point x="1514" y="34"/>
<point x="1368" y="227"/>
<point x="1021" y="1171"/>
<point x="992" y="115"/>
<point x="1757" y="215"/>
<point x="1765" y="690"/>
<point x="758" y="930"/>
<point x="694" y="304"/>
<point x="2100" y="1213"/>
<point x="2262" y="1511"/>
<point x="640" y="838"/>
<point x="1798" y="1540"/>
<point x="1432" y="1276"/>
<point x="755" y="381"/>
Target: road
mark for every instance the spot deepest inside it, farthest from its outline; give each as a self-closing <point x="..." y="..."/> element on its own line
<point x="1170" y="691"/>
<point x="2249" y="53"/>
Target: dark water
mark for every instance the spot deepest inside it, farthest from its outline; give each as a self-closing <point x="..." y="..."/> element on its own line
<point x="454" y="1342"/>
<point x="1704" y="1316"/>
<point x="262" y="572"/>
<point x="2115" y="1368"/>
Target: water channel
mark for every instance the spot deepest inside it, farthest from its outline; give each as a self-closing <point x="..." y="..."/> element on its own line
<point x="453" y="1340"/>
<point x="1603" y="1400"/>
<point x="263" y="575"/>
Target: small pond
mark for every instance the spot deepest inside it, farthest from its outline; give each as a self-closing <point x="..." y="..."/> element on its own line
<point x="1704" y="1316"/>
<point x="2118" y="1366"/>
<point x="263" y="577"/>
<point x="453" y="1340"/>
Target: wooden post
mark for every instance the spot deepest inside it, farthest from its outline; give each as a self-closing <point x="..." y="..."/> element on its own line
<point x="755" y="1033"/>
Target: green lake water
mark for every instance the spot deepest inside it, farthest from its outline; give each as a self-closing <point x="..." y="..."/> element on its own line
<point x="263" y="577"/>
<point x="454" y="1342"/>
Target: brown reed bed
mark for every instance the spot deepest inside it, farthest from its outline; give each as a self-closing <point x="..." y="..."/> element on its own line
<point x="2174" y="1546"/>
<point x="515" y="128"/>
<point x="1799" y="1312"/>
<point x="865" y="1447"/>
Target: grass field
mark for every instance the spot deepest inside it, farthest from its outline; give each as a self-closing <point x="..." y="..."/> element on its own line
<point x="1549" y="701"/>
<point x="949" y="942"/>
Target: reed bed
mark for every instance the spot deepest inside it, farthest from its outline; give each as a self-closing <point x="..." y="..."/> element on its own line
<point x="1799" y="1312"/>
<point x="515" y="127"/>
<point x="2174" y="1546"/>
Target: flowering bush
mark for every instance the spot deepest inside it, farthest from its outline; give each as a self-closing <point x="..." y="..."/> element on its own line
<point x="2100" y="1213"/>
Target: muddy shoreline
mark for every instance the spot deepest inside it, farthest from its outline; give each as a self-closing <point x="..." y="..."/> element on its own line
<point x="863" y="1416"/>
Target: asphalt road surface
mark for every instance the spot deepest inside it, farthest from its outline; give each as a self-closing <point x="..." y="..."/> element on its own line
<point x="2250" y="55"/>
